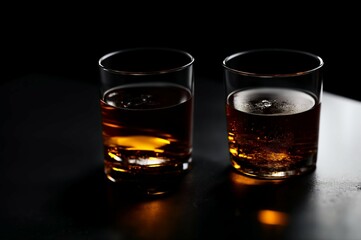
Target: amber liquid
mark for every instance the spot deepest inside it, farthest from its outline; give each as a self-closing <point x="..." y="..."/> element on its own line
<point x="273" y="132"/>
<point x="147" y="132"/>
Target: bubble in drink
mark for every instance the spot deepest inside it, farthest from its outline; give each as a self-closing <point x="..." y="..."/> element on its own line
<point x="147" y="129"/>
<point x="272" y="132"/>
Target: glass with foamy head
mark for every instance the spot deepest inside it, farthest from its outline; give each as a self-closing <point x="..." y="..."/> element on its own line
<point x="273" y="104"/>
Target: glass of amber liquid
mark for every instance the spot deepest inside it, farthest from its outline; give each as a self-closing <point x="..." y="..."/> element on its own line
<point x="273" y="104"/>
<point x="146" y="99"/>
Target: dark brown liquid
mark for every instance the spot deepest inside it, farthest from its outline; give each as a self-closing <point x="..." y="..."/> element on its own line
<point x="273" y="133"/>
<point x="147" y="132"/>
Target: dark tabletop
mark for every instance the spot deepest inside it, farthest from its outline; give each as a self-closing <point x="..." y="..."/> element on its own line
<point x="52" y="183"/>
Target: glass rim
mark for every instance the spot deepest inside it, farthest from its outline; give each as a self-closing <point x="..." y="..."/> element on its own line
<point x="270" y="75"/>
<point x="188" y="63"/>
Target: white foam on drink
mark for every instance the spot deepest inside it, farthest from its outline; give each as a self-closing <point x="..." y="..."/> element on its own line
<point x="271" y="101"/>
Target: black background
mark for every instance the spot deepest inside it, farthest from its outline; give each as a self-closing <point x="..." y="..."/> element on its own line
<point x="67" y="39"/>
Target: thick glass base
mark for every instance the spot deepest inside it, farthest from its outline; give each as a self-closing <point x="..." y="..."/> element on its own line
<point x="147" y="180"/>
<point x="273" y="171"/>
